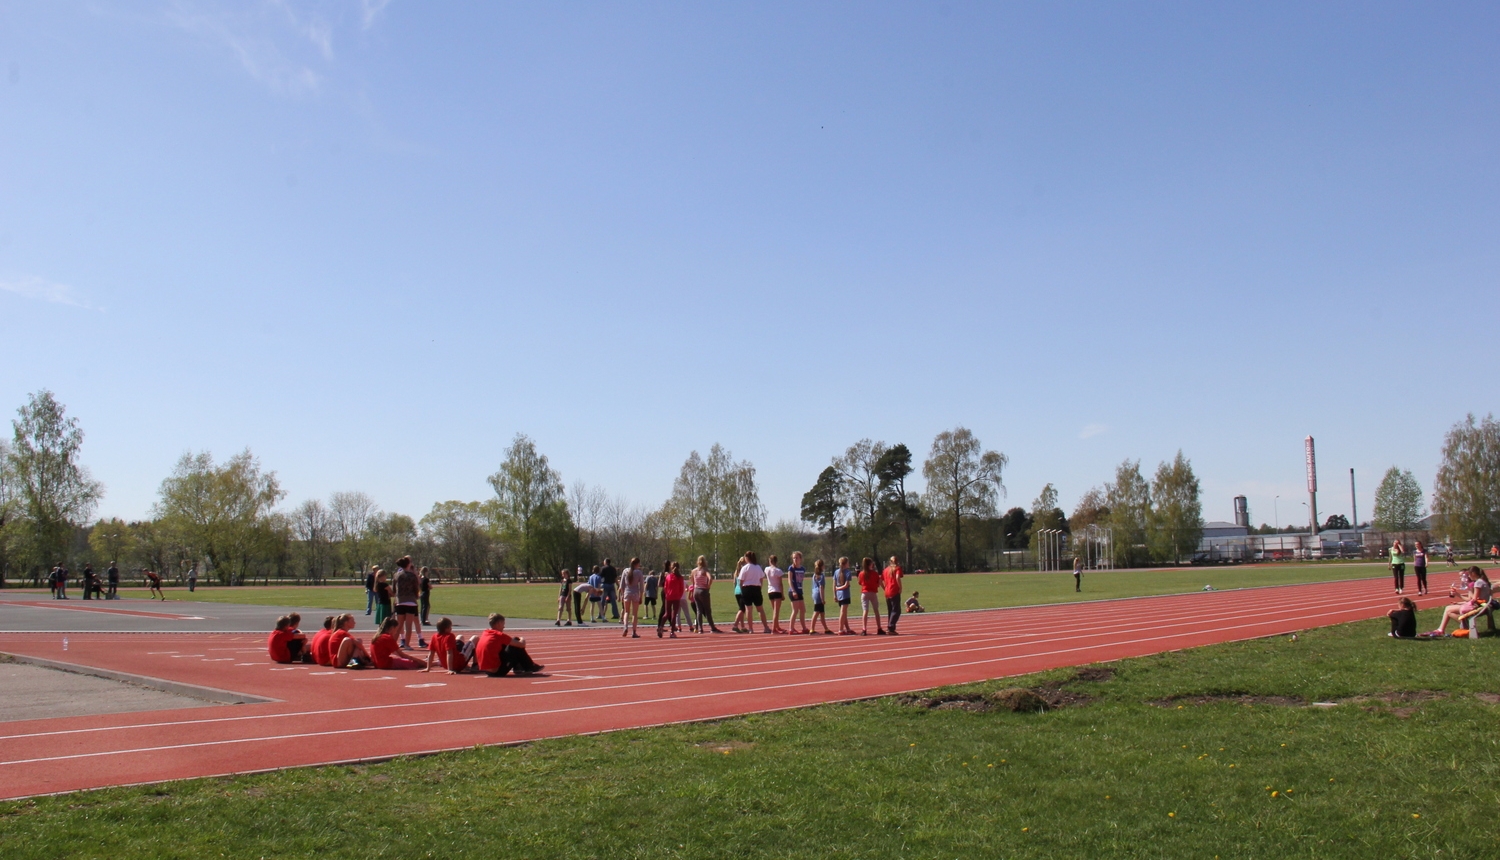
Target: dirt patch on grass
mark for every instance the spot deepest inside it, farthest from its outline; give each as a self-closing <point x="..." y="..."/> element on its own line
<point x="1398" y="703"/>
<point x="1015" y="699"/>
<point x="1231" y="698"/>
<point x="1492" y="698"/>
<point x="1095" y="673"/>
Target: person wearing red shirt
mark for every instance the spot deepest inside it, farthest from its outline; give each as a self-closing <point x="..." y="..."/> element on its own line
<point x="672" y="590"/>
<point x="346" y="649"/>
<point x="320" y="643"/>
<point x="453" y="653"/>
<point x="386" y="653"/>
<point x="497" y="652"/>
<point x="277" y="642"/>
<point x="891" y="578"/>
<point x="869" y="594"/>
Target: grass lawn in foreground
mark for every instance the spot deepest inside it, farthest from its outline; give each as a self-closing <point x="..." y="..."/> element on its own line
<point x="1134" y="773"/>
<point x="939" y="591"/>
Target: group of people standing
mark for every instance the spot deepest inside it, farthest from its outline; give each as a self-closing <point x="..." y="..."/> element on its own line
<point x="686" y="599"/>
<point x="407" y="596"/>
<point x="93" y="587"/>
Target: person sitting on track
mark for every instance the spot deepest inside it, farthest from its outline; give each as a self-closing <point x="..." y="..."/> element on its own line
<point x="1403" y="620"/>
<point x="319" y="646"/>
<point x="286" y="644"/>
<point x="454" y="653"/>
<point x="385" y="651"/>
<point x="347" y="651"/>
<point x="498" y="653"/>
<point x="1479" y="596"/>
<point x="913" y="604"/>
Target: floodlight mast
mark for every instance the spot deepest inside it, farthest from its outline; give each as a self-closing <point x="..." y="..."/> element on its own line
<point x="1312" y="487"/>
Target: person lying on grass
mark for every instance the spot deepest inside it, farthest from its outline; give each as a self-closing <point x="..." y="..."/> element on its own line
<point x="385" y="651"/>
<point x="498" y="653"/>
<point x="453" y="653"/>
<point x="1479" y="596"/>
<point x="1403" y="619"/>
<point x="347" y="651"/>
<point x="319" y="647"/>
<point x="286" y="644"/>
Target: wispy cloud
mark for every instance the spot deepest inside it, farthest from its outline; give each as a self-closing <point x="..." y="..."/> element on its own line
<point x="286" y="47"/>
<point x="1093" y="430"/>
<point x="32" y="287"/>
<point x="370" y="11"/>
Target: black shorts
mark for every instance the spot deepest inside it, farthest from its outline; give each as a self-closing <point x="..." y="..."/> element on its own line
<point x="844" y="601"/>
<point x="406" y="609"/>
<point x="775" y="595"/>
<point x="650" y="600"/>
<point x="739" y="600"/>
<point x="751" y="595"/>
<point x="817" y="608"/>
<point x="794" y="596"/>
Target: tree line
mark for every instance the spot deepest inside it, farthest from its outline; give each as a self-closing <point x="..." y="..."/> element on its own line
<point x="226" y="515"/>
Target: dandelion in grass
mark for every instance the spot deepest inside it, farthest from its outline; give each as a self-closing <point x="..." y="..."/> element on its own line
<point x="1416" y="815"/>
<point x="1171" y="815"/>
<point x="1275" y="794"/>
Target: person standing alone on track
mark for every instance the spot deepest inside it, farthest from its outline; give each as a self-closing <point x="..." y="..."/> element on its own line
<point x="1398" y="565"/>
<point x="112" y="578"/>
<point x="891" y="578"/>
<point x="1419" y="566"/>
<point x="1077" y="574"/>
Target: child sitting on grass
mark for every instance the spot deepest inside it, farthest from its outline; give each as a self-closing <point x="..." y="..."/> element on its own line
<point x="453" y="653"/>
<point x="497" y="653"/>
<point x="913" y="604"/>
<point x="1403" y="620"/>
<point x="385" y="651"/>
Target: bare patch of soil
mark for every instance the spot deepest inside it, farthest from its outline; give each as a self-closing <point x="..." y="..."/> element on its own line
<point x="1492" y="698"/>
<point x="1095" y="673"/>
<point x="1232" y="698"/>
<point x="1015" y="699"/>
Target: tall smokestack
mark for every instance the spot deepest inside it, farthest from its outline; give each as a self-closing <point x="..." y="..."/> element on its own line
<point x="1312" y="486"/>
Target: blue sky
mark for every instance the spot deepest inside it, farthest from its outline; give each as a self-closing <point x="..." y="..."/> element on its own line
<point x="372" y="242"/>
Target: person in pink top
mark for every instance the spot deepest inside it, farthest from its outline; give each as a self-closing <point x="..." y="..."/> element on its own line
<point x="672" y="589"/>
<point x="702" y="580"/>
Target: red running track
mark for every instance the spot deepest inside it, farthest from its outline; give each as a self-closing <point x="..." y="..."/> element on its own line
<point x="597" y="682"/>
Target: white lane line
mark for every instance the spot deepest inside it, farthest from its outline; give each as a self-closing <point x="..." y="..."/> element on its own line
<point x="424" y="686"/>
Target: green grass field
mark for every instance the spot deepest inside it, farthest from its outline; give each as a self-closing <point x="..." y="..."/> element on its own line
<point x="1134" y="773"/>
<point x="939" y="591"/>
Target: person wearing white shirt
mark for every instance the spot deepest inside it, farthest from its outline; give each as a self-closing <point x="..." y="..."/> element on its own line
<point x="751" y="579"/>
<point x="775" y="591"/>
